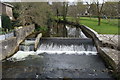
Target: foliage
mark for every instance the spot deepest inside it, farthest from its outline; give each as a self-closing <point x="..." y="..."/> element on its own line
<point x="6" y="23"/>
<point x="43" y="13"/>
<point x="32" y="12"/>
<point x="16" y="12"/>
<point x="1" y="31"/>
<point x="39" y="28"/>
<point x="111" y="9"/>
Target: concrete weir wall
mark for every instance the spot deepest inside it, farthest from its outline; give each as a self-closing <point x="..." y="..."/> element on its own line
<point x="37" y="40"/>
<point x="9" y="46"/>
<point x="92" y="34"/>
<point x="110" y="56"/>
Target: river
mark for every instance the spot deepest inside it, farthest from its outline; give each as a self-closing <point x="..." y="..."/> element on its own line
<point x="74" y="56"/>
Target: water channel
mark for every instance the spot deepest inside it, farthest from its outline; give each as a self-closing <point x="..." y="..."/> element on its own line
<point x="74" y="56"/>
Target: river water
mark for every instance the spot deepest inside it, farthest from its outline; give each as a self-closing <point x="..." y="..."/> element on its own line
<point x="57" y="57"/>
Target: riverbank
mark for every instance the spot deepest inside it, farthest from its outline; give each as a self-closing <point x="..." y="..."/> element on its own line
<point x="108" y="26"/>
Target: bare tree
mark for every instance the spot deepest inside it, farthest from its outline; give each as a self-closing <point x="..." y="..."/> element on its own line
<point x="110" y="9"/>
<point x="77" y="10"/>
<point x="73" y="12"/>
<point x="99" y="11"/>
<point x="89" y="8"/>
<point x="65" y="10"/>
<point x="99" y="7"/>
<point x="64" y="15"/>
<point x="57" y="8"/>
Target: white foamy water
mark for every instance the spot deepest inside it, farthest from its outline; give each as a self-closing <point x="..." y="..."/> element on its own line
<point x="67" y="49"/>
<point x="21" y="55"/>
<point x="68" y="52"/>
<point x="56" y="49"/>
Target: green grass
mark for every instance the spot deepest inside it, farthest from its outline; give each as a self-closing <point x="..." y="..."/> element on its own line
<point x="106" y="27"/>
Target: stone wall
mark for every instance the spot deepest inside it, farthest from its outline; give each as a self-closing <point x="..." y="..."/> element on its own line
<point x="108" y="54"/>
<point x="92" y="34"/>
<point x="22" y="32"/>
<point x="9" y="46"/>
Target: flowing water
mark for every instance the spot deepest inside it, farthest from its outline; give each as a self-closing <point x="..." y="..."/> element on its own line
<point x="72" y="57"/>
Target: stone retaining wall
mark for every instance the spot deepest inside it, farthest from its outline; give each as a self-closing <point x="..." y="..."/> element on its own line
<point x="23" y="32"/>
<point x="92" y="34"/>
<point x="105" y="52"/>
<point x="109" y="53"/>
<point x="9" y="46"/>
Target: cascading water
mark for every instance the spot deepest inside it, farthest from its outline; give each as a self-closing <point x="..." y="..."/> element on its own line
<point x="71" y="57"/>
<point x="67" y="46"/>
<point x="26" y="48"/>
<point x="27" y="45"/>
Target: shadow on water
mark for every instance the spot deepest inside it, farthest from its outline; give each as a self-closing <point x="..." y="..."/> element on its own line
<point x="72" y="57"/>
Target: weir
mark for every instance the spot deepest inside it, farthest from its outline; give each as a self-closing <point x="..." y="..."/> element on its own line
<point x="74" y="56"/>
<point x="67" y="45"/>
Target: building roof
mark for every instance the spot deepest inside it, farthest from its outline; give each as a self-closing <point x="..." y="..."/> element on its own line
<point x="7" y="4"/>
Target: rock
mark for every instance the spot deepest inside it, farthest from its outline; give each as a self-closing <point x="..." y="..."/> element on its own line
<point x="94" y="70"/>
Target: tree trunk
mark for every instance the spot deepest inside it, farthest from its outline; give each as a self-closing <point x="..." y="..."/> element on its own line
<point x="77" y="32"/>
<point x="99" y="20"/>
<point x="65" y="9"/>
<point x="90" y="16"/>
<point x="57" y="13"/>
<point x="64" y="31"/>
<point x="57" y="28"/>
<point x="48" y="31"/>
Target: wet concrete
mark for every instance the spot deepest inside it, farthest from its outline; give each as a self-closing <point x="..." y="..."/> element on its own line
<point x="56" y="66"/>
<point x="67" y="41"/>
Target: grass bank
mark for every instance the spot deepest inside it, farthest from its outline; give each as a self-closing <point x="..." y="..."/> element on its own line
<point x="106" y="27"/>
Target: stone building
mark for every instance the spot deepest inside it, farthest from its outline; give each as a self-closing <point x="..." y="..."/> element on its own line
<point x="6" y="9"/>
